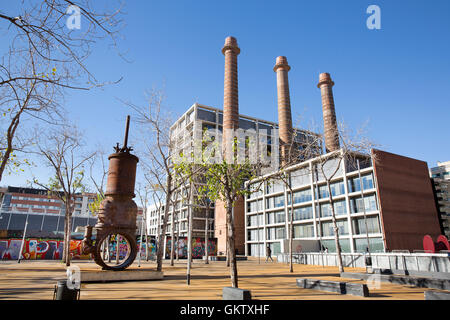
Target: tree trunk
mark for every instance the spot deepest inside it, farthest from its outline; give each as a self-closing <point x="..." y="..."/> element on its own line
<point x="206" y="237"/>
<point x="336" y="229"/>
<point x="69" y="227"/>
<point x="177" y="249"/>
<point x="162" y="235"/>
<point x="146" y="237"/>
<point x="230" y="245"/>
<point x="227" y="249"/>
<point x="189" y="251"/>
<point x="172" y="236"/>
<point x="64" y="238"/>
<point x="291" y="232"/>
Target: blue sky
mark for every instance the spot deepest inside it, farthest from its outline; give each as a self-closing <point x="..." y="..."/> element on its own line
<point x="397" y="78"/>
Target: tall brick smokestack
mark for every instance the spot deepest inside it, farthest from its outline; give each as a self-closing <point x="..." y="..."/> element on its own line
<point x="284" y="107"/>
<point x="230" y="91"/>
<point x="230" y="121"/>
<point x="329" y="114"/>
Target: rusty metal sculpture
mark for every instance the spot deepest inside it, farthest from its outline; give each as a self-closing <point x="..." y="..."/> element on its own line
<point x="116" y="224"/>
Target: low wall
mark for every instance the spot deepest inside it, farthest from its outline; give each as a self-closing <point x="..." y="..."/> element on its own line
<point x="437" y="262"/>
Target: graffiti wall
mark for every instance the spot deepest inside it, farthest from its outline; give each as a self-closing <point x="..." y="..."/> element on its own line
<point x="151" y="249"/>
<point x="39" y="249"/>
<point x="198" y="247"/>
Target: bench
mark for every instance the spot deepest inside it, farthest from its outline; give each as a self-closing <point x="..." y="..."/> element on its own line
<point x="436" y="295"/>
<point x="356" y="289"/>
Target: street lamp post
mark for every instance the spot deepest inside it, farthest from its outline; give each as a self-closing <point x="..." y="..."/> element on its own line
<point x="23" y="239"/>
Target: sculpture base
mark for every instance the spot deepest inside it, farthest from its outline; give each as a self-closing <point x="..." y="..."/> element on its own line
<point x="134" y="274"/>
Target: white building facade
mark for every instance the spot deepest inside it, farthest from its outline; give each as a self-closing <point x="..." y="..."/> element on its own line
<point x="267" y="212"/>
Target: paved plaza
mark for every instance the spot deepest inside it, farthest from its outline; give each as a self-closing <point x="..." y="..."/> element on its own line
<point x="35" y="280"/>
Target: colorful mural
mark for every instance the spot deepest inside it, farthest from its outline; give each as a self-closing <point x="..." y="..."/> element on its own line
<point x="151" y="248"/>
<point x="39" y="249"/>
<point x="198" y="247"/>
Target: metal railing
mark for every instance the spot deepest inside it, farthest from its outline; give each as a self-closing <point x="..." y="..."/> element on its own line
<point x="416" y="261"/>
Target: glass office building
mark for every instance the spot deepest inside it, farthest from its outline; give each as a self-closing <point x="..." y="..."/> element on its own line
<point x="355" y="201"/>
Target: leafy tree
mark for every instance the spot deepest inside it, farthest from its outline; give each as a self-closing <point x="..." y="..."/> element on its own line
<point x="225" y="179"/>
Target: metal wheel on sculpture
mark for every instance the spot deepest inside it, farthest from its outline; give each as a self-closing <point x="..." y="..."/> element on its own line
<point x="115" y="251"/>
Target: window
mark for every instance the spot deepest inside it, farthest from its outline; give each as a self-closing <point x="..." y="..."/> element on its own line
<point x="300" y="177"/>
<point x="304" y="231"/>
<point x="270" y="218"/>
<point x="325" y="210"/>
<point x="303" y="213"/>
<point x="370" y="204"/>
<point x="253" y="234"/>
<point x="275" y="233"/>
<point x="337" y="188"/>
<point x="328" y="231"/>
<point x="269" y="203"/>
<point x="269" y="187"/>
<point x="278" y="186"/>
<point x="253" y="220"/>
<point x="275" y="202"/>
<point x="376" y="245"/>
<point x="359" y="225"/>
<point x="323" y="192"/>
<point x="301" y="196"/>
<point x="354" y="184"/>
<point x="280" y="217"/>
<point x="280" y="233"/>
<point x="331" y="245"/>
<point x="255" y="193"/>
<point x="340" y="207"/>
<point x="279" y="201"/>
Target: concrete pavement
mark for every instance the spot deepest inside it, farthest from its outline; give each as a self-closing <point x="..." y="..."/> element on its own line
<point x="35" y="280"/>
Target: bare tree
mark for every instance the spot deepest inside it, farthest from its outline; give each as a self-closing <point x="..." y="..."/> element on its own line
<point x="156" y="159"/>
<point x="303" y="145"/>
<point x="205" y="203"/>
<point x="225" y="181"/>
<point x="45" y="57"/>
<point x="98" y="172"/>
<point x="354" y="146"/>
<point x="61" y="151"/>
<point x="143" y="192"/>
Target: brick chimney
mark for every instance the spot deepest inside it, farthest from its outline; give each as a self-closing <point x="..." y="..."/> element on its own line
<point x="230" y="91"/>
<point x="230" y="121"/>
<point x="329" y="114"/>
<point x="284" y="107"/>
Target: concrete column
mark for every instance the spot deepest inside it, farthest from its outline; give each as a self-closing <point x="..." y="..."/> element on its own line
<point x="284" y="107"/>
<point x="329" y="114"/>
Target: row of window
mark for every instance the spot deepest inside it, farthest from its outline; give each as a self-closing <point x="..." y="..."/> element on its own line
<point x="36" y="199"/>
<point x="357" y="205"/>
<point x="78" y="199"/>
<point x="324" y="229"/>
<point x="337" y="188"/>
<point x="22" y="205"/>
<point x="360" y="245"/>
<point x="41" y="222"/>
